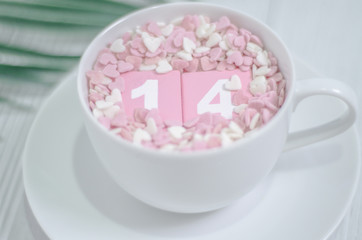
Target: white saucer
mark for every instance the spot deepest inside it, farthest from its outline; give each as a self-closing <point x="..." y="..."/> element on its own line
<point x="72" y="197"/>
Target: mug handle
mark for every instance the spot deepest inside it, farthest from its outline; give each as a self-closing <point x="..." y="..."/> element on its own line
<point x="323" y="86"/>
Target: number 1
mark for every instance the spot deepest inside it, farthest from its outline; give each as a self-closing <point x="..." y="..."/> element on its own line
<point x="150" y="90"/>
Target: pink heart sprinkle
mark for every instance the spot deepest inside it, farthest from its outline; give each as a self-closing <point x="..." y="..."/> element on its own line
<point x="239" y="42"/>
<point x="221" y="66"/>
<point x="135" y="52"/>
<point x="153" y="60"/>
<point x="119" y="120"/>
<point x="155" y="115"/>
<point x="215" y="53"/>
<point x="213" y="142"/>
<point x="188" y="23"/>
<point x="134" y="60"/>
<point x="244" y="31"/>
<point x="117" y="84"/>
<point x="244" y="68"/>
<point x="154" y="28"/>
<point x="178" y="40"/>
<point x="137" y="43"/>
<point x="94" y="97"/>
<point x="124" y="66"/>
<point x="106" y="122"/>
<point x="206" y="64"/>
<point x="248" y="61"/>
<point x="92" y="105"/>
<point x="179" y="64"/>
<point x="256" y="104"/>
<point x="206" y="118"/>
<point x="190" y="35"/>
<point x="126" y="37"/>
<point x="223" y="22"/>
<point x="111" y="71"/>
<point x="126" y="134"/>
<point x="96" y="77"/>
<point x="156" y="53"/>
<point x="140" y="115"/>
<point x="272" y="84"/>
<point x="235" y="58"/>
<point x="106" y="58"/>
<point x="193" y="65"/>
<point x="168" y="46"/>
<point x="266" y="115"/>
<point x="272" y="71"/>
<point x="255" y="39"/>
<point x="230" y="39"/>
<point x="239" y="98"/>
<point x="199" y="145"/>
<point x="191" y="122"/>
<point x="276" y="77"/>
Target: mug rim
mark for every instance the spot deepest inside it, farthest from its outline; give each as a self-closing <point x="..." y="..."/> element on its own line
<point x="177" y="154"/>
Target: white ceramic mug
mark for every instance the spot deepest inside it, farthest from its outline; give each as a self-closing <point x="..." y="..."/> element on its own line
<point x="207" y="180"/>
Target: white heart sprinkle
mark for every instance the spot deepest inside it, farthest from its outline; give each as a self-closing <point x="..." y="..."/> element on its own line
<point x="205" y="30"/>
<point x="163" y="66"/>
<point x="145" y="35"/>
<point x="252" y="47"/>
<point x="235" y="136"/>
<point x="161" y="24"/>
<point x="254" y="121"/>
<point x="101" y="104"/>
<point x="225" y="139"/>
<point x="176" y="131"/>
<point x="233" y="84"/>
<point x="152" y="44"/>
<point x="262" y="58"/>
<point x="223" y="45"/>
<point x="111" y="111"/>
<point x="144" y="67"/>
<point x="202" y="49"/>
<point x="100" y="90"/>
<point x="106" y="81"/>
<point x="214" y="39"/>
<point x="184" y="55"/>
<point x="240" y="108"/>
<point x="117" y="46"/>
<point x="261" y="71"/>
<point x="139" y="30"/>
<point x="258" y="85"/>
<point x="198" y="137"/>
<point x="166" y="31"/>
<point x="115" y="96"/>
<point x="229" y="52"/>
<point x="151" y="126"/>
<point x="177" y="21"/>
<point x="116" y="130"/>
<point x="235" y="128"/>
<point x="168" y="147"/>
<point x="97" y="113"/>
<point x="188" y="45"/>
<point x="141" y="135"/>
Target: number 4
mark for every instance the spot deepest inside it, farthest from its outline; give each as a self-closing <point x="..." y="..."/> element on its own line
<point x="225" y="106"/>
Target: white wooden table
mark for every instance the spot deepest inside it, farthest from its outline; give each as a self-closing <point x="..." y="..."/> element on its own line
<point x="325" y="34"/>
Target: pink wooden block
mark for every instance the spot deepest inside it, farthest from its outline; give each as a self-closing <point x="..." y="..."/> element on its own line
<point x="204" y="92"/>
<point x="150" y="90"/>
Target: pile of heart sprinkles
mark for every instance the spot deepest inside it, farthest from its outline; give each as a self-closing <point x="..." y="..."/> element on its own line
<point x="188" y="44"/>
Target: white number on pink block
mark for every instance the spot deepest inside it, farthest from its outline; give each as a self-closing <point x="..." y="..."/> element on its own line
<point x="150" y="90"/>
<point x="225" y="107"/>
